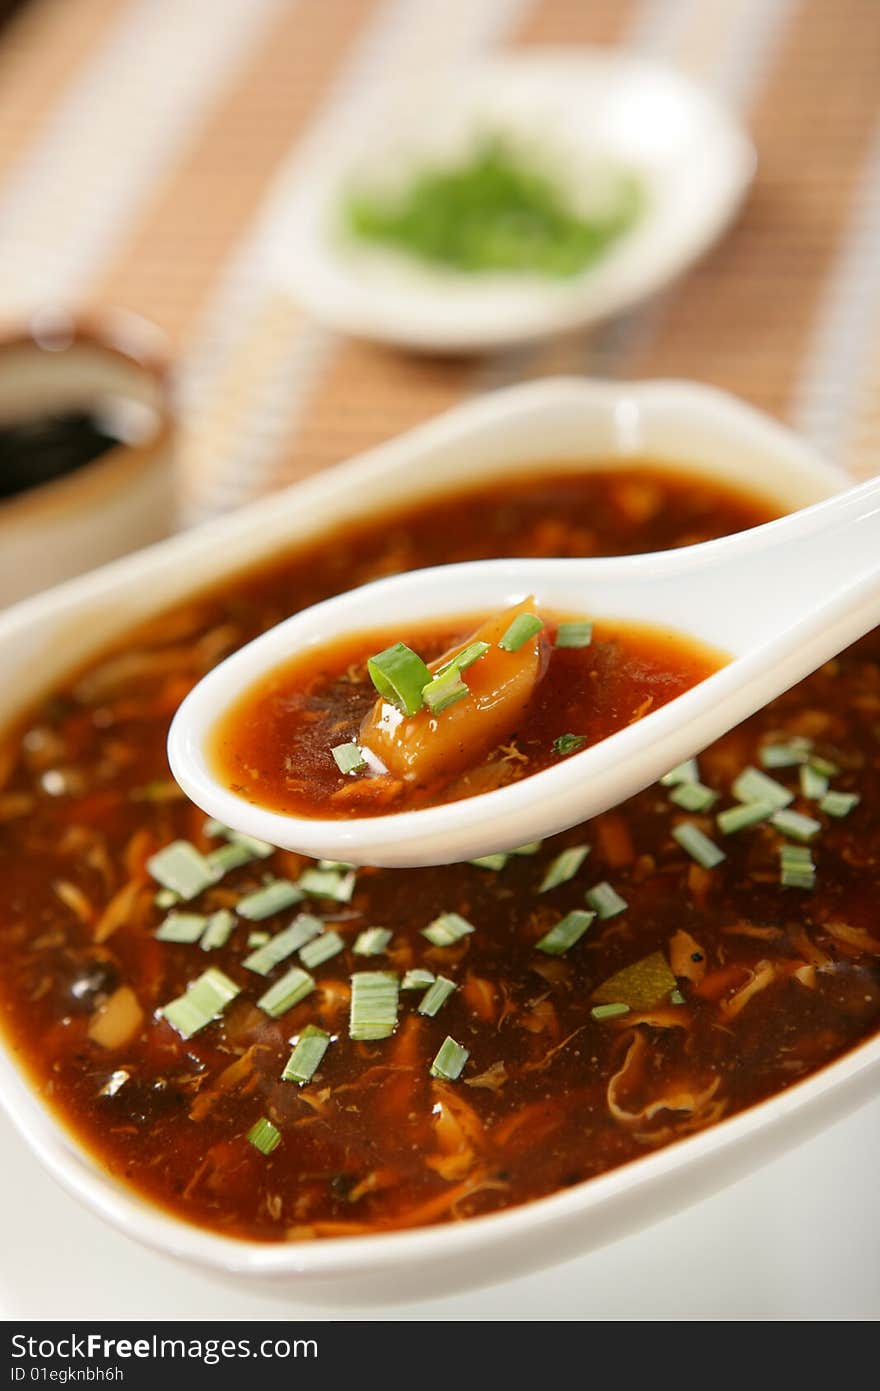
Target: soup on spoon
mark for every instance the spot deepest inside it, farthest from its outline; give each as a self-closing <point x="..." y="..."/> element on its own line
<point x="370" y="724"/>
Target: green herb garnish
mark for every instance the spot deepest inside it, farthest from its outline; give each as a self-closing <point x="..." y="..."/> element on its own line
<point x="400" y="676"/>
<point x="293" y="987"/>
<point x="373" y="1008"/>
<point x="569" y="743"/>
<point x="698" y="846"/>
<point x="264" y="1136"/>
<point x="278" y="948"/>
<point x="203" y="1001"/>
<point x="181" y="927"/>
<point x="566" y="932"/>
<point x="839" y="803"/>
<point x="564" y="867"/>
<point x="274" y="897"/>
<point x="181" y="868"/>
<point x="436" y="996"/>
<point x="523" y="627"/>
<point x="372" y="941"/>
<point x="307" y="1055"/>
<point x="575" y="634"/>
<point x="447" y="929"/>
<point x="321" y="949"/>
<point x="450" y="1060"/>
<point x="496" y="210"/>
<point x="218" y="930"/>
<point x="754" y="786"/>
<point x="349" y="758"/>
<point x="606" y="901"/>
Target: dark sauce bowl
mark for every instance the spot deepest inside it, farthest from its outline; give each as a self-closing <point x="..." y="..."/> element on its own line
<point x="86" y="436"/>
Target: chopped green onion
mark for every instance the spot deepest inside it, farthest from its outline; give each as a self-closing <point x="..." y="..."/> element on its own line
<point x="400" y="676"/>
<point x="348" y="757"/>
<point x="447" y="929"/>
<point x="372" y="941"/>
<point x="693" y="796"/>
<point x="203" y="1001"/>
<point x="688" y="771"/>
<point x="293" y="986"/>
<point x="450" y="1060"/>
<point x="575" y="634"/>
<point x="569" y="743"/>
<point x="466" y="657"/>
<point x="264" y="1136"/>
<point x="791" y="754"/>
<point x="218" y="930"/>
<point x="444" y="690"/>
<point x="417" y="979"/>
<point x="166" y="898"/>
<point x="272" y="898"/>
<point x="531" y="848"/>
<point x="523" y="627"/>
<point x="258" y="939"/>
<point x="307" y="1055"/>
<point x="796" y="867"/>
<point x="566" y="932"/>
<point x="606" y="901"/>
<point x="328" y="883"/>
<point x="436" y="995"/>
<point x="698" y="845"/>
<point x="609" y="1011"/>
<point x="181" y="927"/>
<point x="795" y="854"/>
<point x="824" y="766"/>
<point x="373" y="1009"/>
<point x="676" y="997"/>
<point x="754" y="786"/>
<point x="564" y="867"/>
<point x="496" y="861"/>
<point x="181" y="868"/>
<point x="790" y="877"/>
<point x="795" y="824"/>
<point x="745" y="814"/>
<point x="321" y="949"/>
<point x="340" y="866"/>
<point x="260" y="849"/>
<point x="227" y="857"/>
<point x="839" y="803"/>
<point x="213" y="828"/>
<point x="278" y="948"/>
<point x="813" y="785"/>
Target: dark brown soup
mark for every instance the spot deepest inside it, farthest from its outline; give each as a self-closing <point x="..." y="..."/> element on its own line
<point x="630" y="982"/>
<point x="313" y="737"/>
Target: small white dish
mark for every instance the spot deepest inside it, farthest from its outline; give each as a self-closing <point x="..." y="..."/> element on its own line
<point x="589" y="109"/>
<point x="550" y="424"/>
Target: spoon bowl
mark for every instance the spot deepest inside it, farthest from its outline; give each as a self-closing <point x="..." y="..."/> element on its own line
<point x="780" y="599"/>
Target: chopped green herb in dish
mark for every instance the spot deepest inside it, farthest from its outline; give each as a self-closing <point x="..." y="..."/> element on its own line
<point x="498" y="210"/>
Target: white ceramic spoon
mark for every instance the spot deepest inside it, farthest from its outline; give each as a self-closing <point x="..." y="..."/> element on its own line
<point x="780" y="599"/>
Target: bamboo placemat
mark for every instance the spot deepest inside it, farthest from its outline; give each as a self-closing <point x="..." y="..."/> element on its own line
<point x="146" y="148"/>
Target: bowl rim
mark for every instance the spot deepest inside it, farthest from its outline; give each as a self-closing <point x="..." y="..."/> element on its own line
<point x="71" y="1162"/>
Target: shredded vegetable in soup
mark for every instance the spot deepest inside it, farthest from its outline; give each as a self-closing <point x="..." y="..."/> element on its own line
<point x="369" y="726"/>
<point x="280" y="1049"/>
